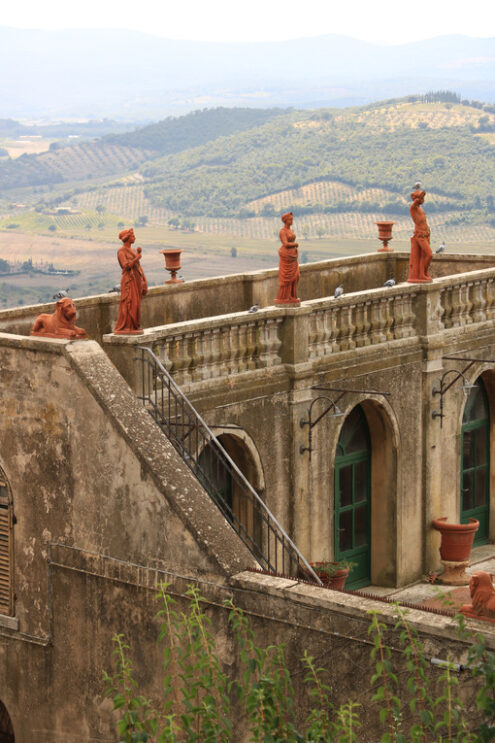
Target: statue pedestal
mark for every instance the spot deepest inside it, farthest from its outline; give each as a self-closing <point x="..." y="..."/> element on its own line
<point x="296" y="301"/>
<point x="455" y="573"/>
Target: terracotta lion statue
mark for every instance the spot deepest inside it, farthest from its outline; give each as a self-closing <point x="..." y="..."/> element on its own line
<point x="482" y="595"/>
<point x="61" y="323"/>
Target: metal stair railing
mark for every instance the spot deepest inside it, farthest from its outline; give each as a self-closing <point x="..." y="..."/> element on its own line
<point x="205" y="456"/>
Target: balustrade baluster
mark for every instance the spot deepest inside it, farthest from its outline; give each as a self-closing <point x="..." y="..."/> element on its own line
<point x="478" y="312"/>
<point x="348" y="328"/>
<point x="378" y="321"/>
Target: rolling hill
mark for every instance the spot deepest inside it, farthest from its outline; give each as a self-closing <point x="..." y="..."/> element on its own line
<point x="120" y="153"/>
<point x="235" y="170"/>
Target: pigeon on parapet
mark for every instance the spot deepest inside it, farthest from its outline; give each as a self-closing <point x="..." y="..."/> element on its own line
<point x="339" y="291"/>
<point x="254" y="308"/>
<point x="389" y="282"/>
<point x="440" y="248"/>
<point x="115" y="288"/>
<point x="61" y="294"/>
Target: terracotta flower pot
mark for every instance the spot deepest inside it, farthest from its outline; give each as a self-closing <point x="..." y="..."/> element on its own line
<point x="457" y="539"/>
<point x="385" y="235"/>
<point x="332" y="578"/>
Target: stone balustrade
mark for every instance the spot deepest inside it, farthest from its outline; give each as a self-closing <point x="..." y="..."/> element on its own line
<point x="207" y="351"/>
<point x="224" y="345"/>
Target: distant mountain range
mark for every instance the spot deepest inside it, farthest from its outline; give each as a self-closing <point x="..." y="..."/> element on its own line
<point x="132" y="75"/>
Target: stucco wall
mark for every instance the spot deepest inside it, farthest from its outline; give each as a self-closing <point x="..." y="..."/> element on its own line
<point x="88" y="469"/>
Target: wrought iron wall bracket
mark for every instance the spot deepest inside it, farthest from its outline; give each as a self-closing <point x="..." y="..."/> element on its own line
<point x="333" y="404"/>
<point x="445" y="387"/>
<point x="312" y="423"/>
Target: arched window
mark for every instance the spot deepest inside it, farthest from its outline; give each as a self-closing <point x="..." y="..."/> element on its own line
<point x="6" y="729"/>
<point x="475" y="462"/>
<point x="238" y="507"/>
<point x="352" y="516"/>
<point x="6" y="551"/>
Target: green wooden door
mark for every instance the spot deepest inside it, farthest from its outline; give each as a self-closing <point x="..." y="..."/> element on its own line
<point x="352" y="516"/>
<point x="475" y="462"/>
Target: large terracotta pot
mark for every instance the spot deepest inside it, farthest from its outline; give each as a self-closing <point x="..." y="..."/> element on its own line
<point x="335" y="579"/>
<point x="457" y="539"/>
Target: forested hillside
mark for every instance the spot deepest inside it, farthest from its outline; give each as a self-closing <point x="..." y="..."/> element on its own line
<point x="177" y="134"/>
<point x="449" y="148"/>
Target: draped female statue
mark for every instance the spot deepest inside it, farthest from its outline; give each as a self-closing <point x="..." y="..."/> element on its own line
<point x="133" y="286"/>
<point x="288" y="267"/>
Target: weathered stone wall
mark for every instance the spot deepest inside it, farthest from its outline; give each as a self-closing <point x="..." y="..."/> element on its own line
<point x="88" y="470"/>
<point x="56" y="692"/>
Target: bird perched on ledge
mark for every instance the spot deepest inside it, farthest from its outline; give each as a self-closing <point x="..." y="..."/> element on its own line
<point x="339" y="291"/>
<point x="389" y="282"/>
<point x="440" y="248"/>
<point x="61" y="294"/>
<point x="254" y="308"/>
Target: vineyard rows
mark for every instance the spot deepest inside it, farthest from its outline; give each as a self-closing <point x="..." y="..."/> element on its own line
<point x="129" y="203"/>
<point x="80" y="162"/>
<point x="95" y="159"/>
<point x="343" y="225"/>
<point x="330" y="192"/>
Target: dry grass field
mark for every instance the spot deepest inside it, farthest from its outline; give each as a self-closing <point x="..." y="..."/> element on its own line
<point x="94" y="255"/>
<point x="26" y="146"/>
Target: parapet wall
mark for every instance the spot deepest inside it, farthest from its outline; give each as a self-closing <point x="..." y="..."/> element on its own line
<point x="222" y="295"/>
<point x="215" y="347"/>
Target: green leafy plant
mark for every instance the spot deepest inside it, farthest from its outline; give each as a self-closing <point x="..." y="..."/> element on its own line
<point x="331" y="568"/>
<point x="201" y="702"/>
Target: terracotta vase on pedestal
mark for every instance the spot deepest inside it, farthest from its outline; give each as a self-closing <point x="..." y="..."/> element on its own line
<point x="172" y="264"/>
<point x="455" y="549"/>
<point x="385" y="235"/>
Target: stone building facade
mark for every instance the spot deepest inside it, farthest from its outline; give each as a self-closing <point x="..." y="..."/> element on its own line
<point x="96" y="505"/>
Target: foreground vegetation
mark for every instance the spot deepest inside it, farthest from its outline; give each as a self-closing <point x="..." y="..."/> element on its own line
<point x="202" y="703"/>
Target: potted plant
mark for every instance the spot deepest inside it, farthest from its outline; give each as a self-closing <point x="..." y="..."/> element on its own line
<point x="333" y="574"/>
<point x="457" y="539"/>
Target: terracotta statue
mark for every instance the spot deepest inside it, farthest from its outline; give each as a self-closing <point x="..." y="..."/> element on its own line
<point x="420" y="257"/>
<point x="61" y="323"/>
<point x="133" y="286"/>
<point x="482" y="595"/>
<point x="288" y="267"/>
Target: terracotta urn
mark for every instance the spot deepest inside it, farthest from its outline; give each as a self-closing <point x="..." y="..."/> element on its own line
<point x="172" y="264"/>
<point x="330" y="574"/>
<point x="457" y="539"/>
<point x="385" y="235"/>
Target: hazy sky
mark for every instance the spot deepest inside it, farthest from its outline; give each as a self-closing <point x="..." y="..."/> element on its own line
<point x="390" y="21"/>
